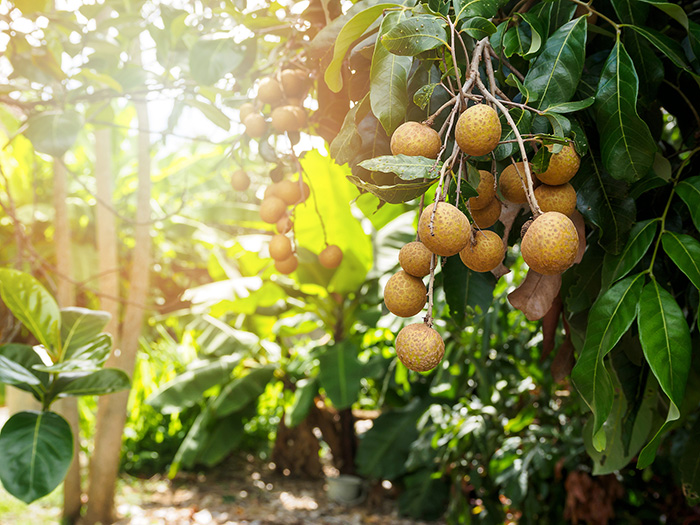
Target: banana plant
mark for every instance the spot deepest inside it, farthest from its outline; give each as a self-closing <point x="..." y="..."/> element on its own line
<point x="68" y="360"/>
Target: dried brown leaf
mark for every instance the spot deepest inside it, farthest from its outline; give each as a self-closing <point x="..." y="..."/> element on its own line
<point x="578" y="221"/>
<point x="549" y="327"/>
<point x="535" y="294"/>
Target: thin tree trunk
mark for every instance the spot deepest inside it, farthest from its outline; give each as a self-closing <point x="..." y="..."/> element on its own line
<point x="111" y="415"/>
<point x="67" y="407"/>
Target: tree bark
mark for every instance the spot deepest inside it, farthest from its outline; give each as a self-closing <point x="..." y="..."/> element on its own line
<point x="111" y="415"/>
<point x="68" y="407"/>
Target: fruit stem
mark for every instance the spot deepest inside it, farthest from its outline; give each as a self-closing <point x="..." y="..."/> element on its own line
<point x="529" y="187"/>
<point x="428" y="319"/>
<point x="420" y="212"/>
<point x="505" y="62"/>
<point x="458" y="73"/>
<point x="592" y="11"/>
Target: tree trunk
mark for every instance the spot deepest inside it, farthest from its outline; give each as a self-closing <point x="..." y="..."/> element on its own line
<point x="67" y="407"/>
<point x="111" y="415"/>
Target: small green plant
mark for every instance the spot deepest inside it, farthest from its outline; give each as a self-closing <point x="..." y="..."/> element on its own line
<point x="68" y="360"/>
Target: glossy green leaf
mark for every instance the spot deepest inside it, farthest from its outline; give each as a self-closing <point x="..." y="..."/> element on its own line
<point x="340" y="373"/>
<point x="13" y="373"/>
<point x="422" y="96"/>
<point x="669" y="47"/>
<point x="187" y="389"/>
<point x="415" y="35"/>
<point x="640" y="238"/>
<point x="605" y="202"/>
<point x="523" y="120"/>
<point x="90" y="356"/>
<point x="25" y="356"/>
<point x="405" y="167"/>
<point x="516" y="40"/>
<point x="555" y="73"/>
<point x="222" y="438"/>
<point x="609" y="318"/>
<point x="243" y="390"/>
<point x="560" y="12"/>
<point x="690" y="466"/>
<point x="689" y="191"/>
<point x="194" y="442"/>
<point x="684" y="250"/>
<point x="350" y="32"/>
<point x="348" y="140"/>
<point x="396" y="193"/>
<point x="675" y="11"/>
<point x="210" y="60"/>
<point x="303" y="400"/>
<point x="570" y="107"/>
<point x="561" y="126"/>
<point x="665" y="339"/>
<point x="538" y="33"/>
<point x="627" y="146"/>
<point x="469" y="8"/>
<point x="54" y="133"/>
<point x="80" y="326"/>
<point x="32" y="305"/>
<point x="478" y="27"/>
<point x="37" y="449"/>
<point x="97" y="383"/>
<point x="211" y="112"/>
<point x="465" y="289"/>
<point x="388" y="75"/>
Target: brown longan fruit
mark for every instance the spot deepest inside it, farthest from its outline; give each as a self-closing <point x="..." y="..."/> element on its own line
<point x="511" y="183"/>
<point x="272" y="209"/>
<point x="288" y="119"/>
<point x="404" y="294"/>
<point x="284" y="225"/>
<point x="486" y="191"/>
<point x="255" y="125"/>
<point x="450" y="232"/>
<point x="560" y="198"/>
<point x="487" y="217"/>
<point x="550" y="244"/>
<point x="245" y="110"/>
<point x="485" y="252"/>
<point x="419" y="347"/>
<point x="289" y="191"/>
<point x="288" y="265"/>
<point x="295" y="82"/>
<point x="415" y="259"/>
<point x="240" y="180"/>
<point x="269" y="91"/>
<point x="562" y="166"/>
<point x="280" y="247"/>
<point x="415" y="139"/>
<point x="478" y="130"/>
<point x="331" y="256"/>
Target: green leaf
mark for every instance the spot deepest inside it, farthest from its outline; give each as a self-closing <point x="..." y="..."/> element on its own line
<point x="665" y="339"/>
<point x="684" y="250"/>
<point x="37" y="449"/>
<point x="25" y="356"/>
<point x="421" y="98"/>
<point x="669" y="47"/>
<point x="222" y="438"/>
<point x="348" y="140"/>
<point x="210" y="60"/>
<point x="478" y="27"/>
<point x="523" y="120"/>
<point x="79" y="326"/>
<point x="384" y="448"/>
<point x="13" y="373"/>
<point x="627" y="146"/>
<point x="419" y="33"/>
<point x="54" y="133"/>
<point x="187" y="389"/>
<point x="673" y="10"/>
<point x="303" y="400"/>
<point x="570" y="107"/>
<point x="424" y="496"/>
<point x="640" y="238"/>
<point x="97" y="383"/>
<point x="465" y="289"/>
<point x="194" y="442"/>
<point x="90" y="356"/>
<point x="340" y="373"/>
<point x="604" y="201"/>
<point x="350" y="32"/>
<point x="32" y="305"/>
<point x="609" y="318"/>
<point x="469" y="8"/>
<point x="214" y="114"/>
<point x="238" y="393"/>
<point x="516" y="40"/>
<point x="561" y="126"/>
<point x="388" y="75"/>
<point x="405" y="167"/>
<point x="538" y="34"/>
<point x="689" y="191"/>
<point x="396" y="193"/>
<point x="690" y="466"/>
<point x="555" y="73"/>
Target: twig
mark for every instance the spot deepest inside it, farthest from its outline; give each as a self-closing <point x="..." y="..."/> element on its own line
<point x="428" y="319"/>
<point x="506" y="63"/>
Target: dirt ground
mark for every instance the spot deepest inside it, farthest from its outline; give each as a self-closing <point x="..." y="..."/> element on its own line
<point x="247" y="491"/>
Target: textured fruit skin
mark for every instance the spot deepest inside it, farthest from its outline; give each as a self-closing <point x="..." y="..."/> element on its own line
<point x="550" y="244"/>
<point x="511" y="183"/>
<point x="415" y="139"/>
<point x="245" y="110"/>
<point x="485" y="254"/>
<point x="284" y="225"/>
<point x="240" y="180"/>
<point x="415" y="258"/>
<point x="478" y="130"/>
<point x="451" y="229"/>
<point x="486" y="191"/>
<point x="287" y="265"/>
<point x="331" y="256"/>
<point x="280" y="247"/>
<point x="255" y="125"/>
<point x="560" y="198"/>
<point x="562" y="166"/>
<point x="289" y="191"/>
<point x="269" y="91"/>
<point x="294" y="82"/>
<point x="272" y="209"/>
<point x="419" y="347"/>
<point x="404" y="294"/>
<point x="487" y="217"/>
<point x="286" y="118"/>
